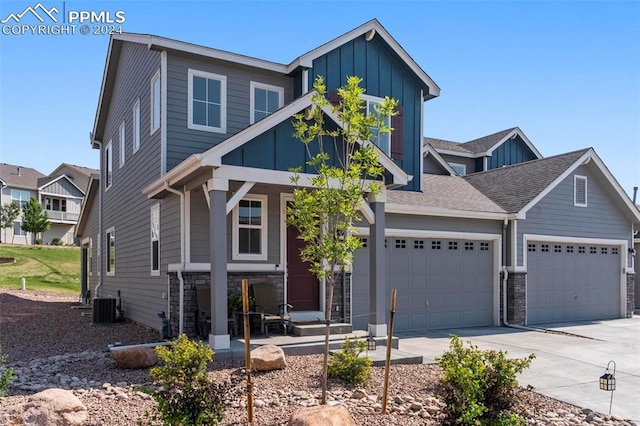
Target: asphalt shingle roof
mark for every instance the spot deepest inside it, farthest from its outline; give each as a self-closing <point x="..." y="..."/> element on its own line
<point x="28" y="177"/>
<point x="444" y="144"/>
<point x="484" y="143"/>
<point x="513" y="187"/>
<point x="446" y="192"/>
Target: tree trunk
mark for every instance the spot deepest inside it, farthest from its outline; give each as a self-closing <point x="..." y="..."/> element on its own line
<point x="327" y="329"/>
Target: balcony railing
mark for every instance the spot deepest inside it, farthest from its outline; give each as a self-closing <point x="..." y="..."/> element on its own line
<point x="63" y="216"/>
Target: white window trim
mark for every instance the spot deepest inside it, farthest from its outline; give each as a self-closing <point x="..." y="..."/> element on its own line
<point x="462" y="166"/>
<point x="575" y="193"/>
<point x="236" y="255"/>
<point x="223" y="101"/>
<point x="136" y="126"/>
<point x="123" y="144"/>
<point x="154" y="209"/>
<point x="155" y="104"/>
<point x="108" y="183"/>
<point x="111" y="231"/>
<point x="378" y="100"/>
<point x="252" y="89"/>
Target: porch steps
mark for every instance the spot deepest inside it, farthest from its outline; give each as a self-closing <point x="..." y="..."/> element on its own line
<point x="315" y="328"/>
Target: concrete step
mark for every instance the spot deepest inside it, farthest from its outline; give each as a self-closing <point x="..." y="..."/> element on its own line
<point x="318" y="329"/>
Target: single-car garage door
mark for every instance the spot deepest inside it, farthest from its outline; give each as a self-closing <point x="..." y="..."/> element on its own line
<point x="569" y="282"/>
<point x="441" y="283"/>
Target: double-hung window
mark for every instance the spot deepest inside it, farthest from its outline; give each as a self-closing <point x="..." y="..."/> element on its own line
<point x="250" y="228"/>
<point x="381" y="139"/>
<point x="20" y="197"/>
<point x="264" y="99"/>
<point x="111" y="251"/>
<point x="122" y="144"/>
<point x="207" y="103"/>
<point x="155" y="239"/>
<point x="108" y="166"/>
<point x="155" y="102"/>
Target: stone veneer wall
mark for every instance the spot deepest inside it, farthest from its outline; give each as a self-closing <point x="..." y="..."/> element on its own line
<point x="341" y="306"/>
<point x="631" y="294"/>
<point x="516" y="298"/>
<point x="193" y="279"/>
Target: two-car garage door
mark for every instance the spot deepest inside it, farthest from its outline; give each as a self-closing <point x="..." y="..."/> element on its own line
<point x="441" y="283"/>
<point x="570" y="282"/>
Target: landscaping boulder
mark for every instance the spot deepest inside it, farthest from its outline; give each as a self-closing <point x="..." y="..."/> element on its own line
<point x="51" y="407"/>
<point x="322" y="415"/>
<point x="268" y="357"/>
<point x="140" y="357"/>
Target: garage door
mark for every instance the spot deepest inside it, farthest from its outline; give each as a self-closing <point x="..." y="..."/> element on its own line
<point x="441" y="283"/>
<point x="569" y="282"/>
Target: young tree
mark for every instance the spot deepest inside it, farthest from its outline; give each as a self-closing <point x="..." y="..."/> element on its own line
<point x="347" y="169"/>
<point x="34" y="220"/>
<point x="8" y="214"/>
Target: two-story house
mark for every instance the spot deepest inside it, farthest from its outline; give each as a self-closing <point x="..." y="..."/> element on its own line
<point x="195" y="146"/>
<point x="60" y="194"/>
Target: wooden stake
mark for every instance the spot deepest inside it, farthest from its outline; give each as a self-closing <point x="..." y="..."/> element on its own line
<point x="247" y="348"/>
<point x="387" y="364"/>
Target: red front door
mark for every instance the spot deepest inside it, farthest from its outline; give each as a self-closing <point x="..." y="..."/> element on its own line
<point x="303" y="288"/>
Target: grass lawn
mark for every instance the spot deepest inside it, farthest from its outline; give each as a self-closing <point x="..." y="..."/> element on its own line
<point x="52" y="269"/>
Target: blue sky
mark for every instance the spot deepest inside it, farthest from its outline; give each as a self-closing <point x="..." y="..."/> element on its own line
<point x="566" y="73"/>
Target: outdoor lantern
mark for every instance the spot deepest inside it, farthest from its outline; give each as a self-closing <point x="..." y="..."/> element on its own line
<point x="608" y="381"/>
<point x="371" y="343"/>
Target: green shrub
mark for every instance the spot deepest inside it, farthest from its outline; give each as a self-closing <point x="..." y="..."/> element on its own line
<point x="38" y="241"/>
<point x="6" y="375"/>
<point x="480" y="386"/>
<point x="56" y="241"/>
<point x="186" y="395"/>
<point x="349" y="365"/>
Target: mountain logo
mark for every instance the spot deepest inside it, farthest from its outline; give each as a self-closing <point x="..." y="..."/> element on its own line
<point x="34" y="11"/>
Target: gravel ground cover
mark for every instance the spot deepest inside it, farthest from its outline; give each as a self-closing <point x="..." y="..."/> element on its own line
<point x="51" y="344"/>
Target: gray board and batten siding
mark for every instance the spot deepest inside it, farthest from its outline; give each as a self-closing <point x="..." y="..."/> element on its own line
<point x="383" y="75"/>
<point x="182" y="141"/>
<point x="556" y="215"/>
<point x="62" y="187"/>
<point x="125" y="208"/>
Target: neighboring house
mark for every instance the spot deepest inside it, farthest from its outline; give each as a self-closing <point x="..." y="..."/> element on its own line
<point x="60" y="195"/>
<point x="195" y="146"/>
<point x="18" y="184"/>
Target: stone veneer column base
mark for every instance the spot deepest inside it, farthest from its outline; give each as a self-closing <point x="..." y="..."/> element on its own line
<point x="516" y="298"/>
<point x="631" y="294"/>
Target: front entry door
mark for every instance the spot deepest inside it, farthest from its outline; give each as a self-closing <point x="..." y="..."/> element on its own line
<point x="303" y="288"/>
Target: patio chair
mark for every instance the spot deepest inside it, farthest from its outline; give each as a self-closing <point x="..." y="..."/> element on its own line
<point x="203" y="314"/>
<point x="268" y="311"/>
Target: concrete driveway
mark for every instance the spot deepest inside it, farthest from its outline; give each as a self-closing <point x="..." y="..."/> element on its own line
<point x="568" y="363"/>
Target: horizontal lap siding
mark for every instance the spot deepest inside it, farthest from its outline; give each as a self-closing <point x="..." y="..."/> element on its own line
<point x="91" y="231"/>
<point x="125" y="207"/>
<point x="470" y="163"/>
<point x="182" y="141"/>
<point x="383" y="74"/>
<point x="556" y="215"/>
<point x="449" y="224"/>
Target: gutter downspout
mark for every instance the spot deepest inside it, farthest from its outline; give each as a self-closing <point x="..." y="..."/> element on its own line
<point x="182" y="264"/>
<point x="100" y="195"/>
<point x="505" y="277"/>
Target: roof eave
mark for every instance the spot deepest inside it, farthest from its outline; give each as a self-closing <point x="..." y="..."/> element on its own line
<point x="175" y="175"/>
<point x="400" y="208"/>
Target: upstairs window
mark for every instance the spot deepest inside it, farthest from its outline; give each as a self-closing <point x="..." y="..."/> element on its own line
<point x="250" y="228"/>
<point x="155" y="102"/>
<point x="265" y="99"/>
<point x="122" y="144"/>
<point x="580" y="191"/>
<point x="136" y="126"/>
<point x="460" y="169"/>
<point x="20" y="197"/>
<point x="382" y="140"/>
<point x="108" y="166"/>
<point x="207" y="107"/>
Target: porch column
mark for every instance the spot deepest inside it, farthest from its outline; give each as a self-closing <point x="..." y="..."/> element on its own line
<point x="219" y="334"/>
<point x="377" y="268"/>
